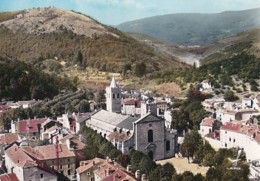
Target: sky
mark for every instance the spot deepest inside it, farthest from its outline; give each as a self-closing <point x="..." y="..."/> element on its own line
<point x="114" y="12"/>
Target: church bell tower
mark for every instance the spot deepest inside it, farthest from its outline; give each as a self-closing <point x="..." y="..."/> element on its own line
<point x="113" y="97"/>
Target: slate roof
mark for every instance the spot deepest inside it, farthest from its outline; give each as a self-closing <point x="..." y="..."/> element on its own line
<point x="109" y="117"/>
<point x="127" y="123"/>
<point x="113" y="83"/>
<point x="113" y="119"/>
<point x="149" y="117"/>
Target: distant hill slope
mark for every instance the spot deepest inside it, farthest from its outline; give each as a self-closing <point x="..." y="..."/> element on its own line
<point x="247" y="41"/>
<point x="47" y="33"/>
<point x="194" y="29"/>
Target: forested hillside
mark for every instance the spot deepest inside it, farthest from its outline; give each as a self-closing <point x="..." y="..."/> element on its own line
<point x="245" y="67"/>
<point x="19" y="81"/>
<point x="50" y="33"/>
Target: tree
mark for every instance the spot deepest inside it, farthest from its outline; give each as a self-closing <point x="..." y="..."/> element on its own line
<point x="156" y="174"/>
<point x="213" y="174"/>
<point x="230" y="96"/>
<point x="127" y="67"/>
<point x="79" y="59"/>
<point x="168" y="171"/>
<point x="83" y="106"/>
<point x="99" y="96"/>
<point x="180" y="120"/>
<point x="198" y="177"/>
<point x="192" y="142"/>
<point x="187" y="176"/>
<point x="140" y="69"/>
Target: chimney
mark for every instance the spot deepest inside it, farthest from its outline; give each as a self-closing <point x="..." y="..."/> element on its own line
<point x="144" y="177"/>
<point x="137" y="174"/>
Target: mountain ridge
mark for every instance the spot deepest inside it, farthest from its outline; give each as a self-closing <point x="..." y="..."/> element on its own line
<point x="194" y="28"/>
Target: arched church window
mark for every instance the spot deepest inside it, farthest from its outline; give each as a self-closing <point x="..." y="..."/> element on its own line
<point x="168" y="146"/>
<point x="150" y="136"/>
<point x="113" y="96"/>
<point x="118" y="96"/>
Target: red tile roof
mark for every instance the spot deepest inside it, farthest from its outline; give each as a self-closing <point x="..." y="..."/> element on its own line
<point x="233" y="112"/>
<point x="232" y="126"/>
<point x="86" y="165"/>
<point x="48" y="152"/>
<point x="9" y="177"/>
<point x="129" y="101"/>
<point x="29" y="125"/>
<point x="103" y="168"/>
<point x="78" y="145"/>
<point x="120" y="175"/>
<point x="8" y="138"/>
<point x="19" y="157"/>
<point x="207" y="122"/>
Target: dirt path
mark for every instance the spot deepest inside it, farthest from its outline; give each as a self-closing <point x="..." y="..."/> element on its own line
<point x="181" y="165"/>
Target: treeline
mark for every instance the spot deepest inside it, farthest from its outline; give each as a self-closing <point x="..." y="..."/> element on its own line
<point x="19" y="81"/>
<point x="70" y="102"/>
<point x="246" y="67"/>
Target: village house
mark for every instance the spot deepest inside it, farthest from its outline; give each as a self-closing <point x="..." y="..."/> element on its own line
<point x="206" y="85"/>
<point x="30" y="128"/>
<point x="256" y="102"/>
<point x="206" y="126"/>
<point x="131" y="107"/>
<point x="103" y="170"/>
<point x="74" y="122"/>
<point x="25" y="167"/>
<point x="247" y="103"/>
<point x="76" y="144"/>
<point x="24" y="104"/>
<point x="6" y="139"/>
<point x="237" y="135"/>
<point x="59" y="157"/>
<point x="168" y="118"/>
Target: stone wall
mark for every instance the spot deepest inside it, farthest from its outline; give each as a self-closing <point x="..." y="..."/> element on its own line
<point x="141" y="138"/>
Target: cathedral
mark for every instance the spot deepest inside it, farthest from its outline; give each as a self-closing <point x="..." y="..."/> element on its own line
<point x="147" y="134"/>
